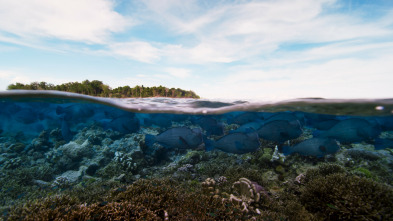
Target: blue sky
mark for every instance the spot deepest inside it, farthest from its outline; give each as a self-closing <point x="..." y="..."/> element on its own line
<point x="268" y="49"/>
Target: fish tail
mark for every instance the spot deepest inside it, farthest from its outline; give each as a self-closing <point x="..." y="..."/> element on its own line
<point x="286" y="150"/>
<point x="381" y="144"/>
<point x="317" y="133"/>
<point x="59" y="110"/>
<point x="150" y="140"/>
<point x="209" y="145"/>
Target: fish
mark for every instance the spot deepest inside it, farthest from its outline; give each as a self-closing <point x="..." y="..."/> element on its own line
<point x="176" y="138"/>
<point x="210" y="125"/>
<point x="386" y="123"/>
<point x="244" y="118"/>
<point x="160" y="120"/>
<point x="381" y="144"/>
<point x="76" y="112"/>
<point x="123" y="124"/>
<point x="248" y="127"/>
<point x="317" y="147"/>
<point x="238" y="143"/>
<point x="326" y="125"/>
<point x="65" y="130"/>
<point x="279" y="131"/>
<point x="289" y="117"/>
<point x="351" y="130"/>
<point x="26" y="116"/>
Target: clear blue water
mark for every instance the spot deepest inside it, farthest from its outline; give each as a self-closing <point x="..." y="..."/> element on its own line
<point x="76" y="138"/>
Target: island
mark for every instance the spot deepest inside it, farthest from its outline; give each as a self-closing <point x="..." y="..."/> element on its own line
<point x="99" y="89"/>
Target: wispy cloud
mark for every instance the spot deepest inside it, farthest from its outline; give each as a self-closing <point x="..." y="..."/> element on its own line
<point x="179" y="72"/>
<point x="90" y="21"/>
<point x="139" y="51"/>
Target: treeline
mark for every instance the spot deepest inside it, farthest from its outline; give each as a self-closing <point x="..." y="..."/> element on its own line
<point x="97" y="88"/>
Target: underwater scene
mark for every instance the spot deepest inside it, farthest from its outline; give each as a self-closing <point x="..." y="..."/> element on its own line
<point x="65" y="156"/>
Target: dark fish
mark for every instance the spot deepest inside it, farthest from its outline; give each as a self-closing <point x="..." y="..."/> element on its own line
<point x="160" y="120"/>
<point x="386" y="123"/>
<point x="65" y="130"/>
<point x="326" y="125"/>
<point x="381" y="144"/>
<point x="312" y="119"/>
<point x="238" y="143"/>
<point x="317" y="147"/>
<point x="210" y="125"/>
<point x="248" y="127"/>
<point x="124" y="124"/>
<point x="244" y="118"/>
<point x="279" y="131"/>
<point x="177" y="137"/>
<point x="76" y="112"/>
<point x="26" y="116"/>
<point x="290" y="117"/>
<point x="352" y="130"/>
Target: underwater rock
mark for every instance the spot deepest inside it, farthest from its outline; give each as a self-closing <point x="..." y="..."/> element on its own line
<point x="75" y="151"/>
<point x="41" y="143"/>
<point x="187" y="168"/>
<point x="68" y="178"/>
<point x="360" y="154"/>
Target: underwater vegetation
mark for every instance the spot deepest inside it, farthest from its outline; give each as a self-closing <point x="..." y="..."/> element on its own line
<point x="83" y="161"/>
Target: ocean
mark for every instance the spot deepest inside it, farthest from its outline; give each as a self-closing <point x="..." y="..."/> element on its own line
<point x="65" y="156"/>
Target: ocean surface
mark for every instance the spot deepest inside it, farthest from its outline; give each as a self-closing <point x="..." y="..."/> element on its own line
<point x="65" y="156"/>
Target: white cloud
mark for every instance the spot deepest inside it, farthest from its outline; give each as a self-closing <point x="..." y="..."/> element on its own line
<point x="243" y="31"/>
<point x="179" y="72"/>
<point x="139" y="51"/>
<point x="340" y="78"/>
<point x="90" y="21"/>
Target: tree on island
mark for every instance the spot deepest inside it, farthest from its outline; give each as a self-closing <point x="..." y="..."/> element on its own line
<point x="98" y="88"/>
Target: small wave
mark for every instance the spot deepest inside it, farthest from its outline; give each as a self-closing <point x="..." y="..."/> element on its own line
<point x="366" y="107"/>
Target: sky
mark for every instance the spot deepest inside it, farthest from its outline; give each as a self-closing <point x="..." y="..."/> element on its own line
<point x="239" y="49"/>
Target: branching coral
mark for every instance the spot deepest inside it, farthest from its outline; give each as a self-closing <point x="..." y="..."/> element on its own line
<point x="339" y="196"/>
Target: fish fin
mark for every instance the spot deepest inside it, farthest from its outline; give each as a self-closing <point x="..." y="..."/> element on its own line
<point x="209" y="145"/>
<point x="249" y="130"/>
<point x="59" y="110"/>
<point x="286" y="150"/>
<point x="147" y="122"/>
<point x="316" y="133"/>
<point x="183" y="141"/>
<point x="150" y="140"/>
<point x="381" y="144"/>
<point x="197" y="130"/>
<point x="363" y="133"/>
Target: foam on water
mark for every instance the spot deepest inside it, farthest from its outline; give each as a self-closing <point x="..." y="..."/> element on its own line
<point x="365" y="107"/>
